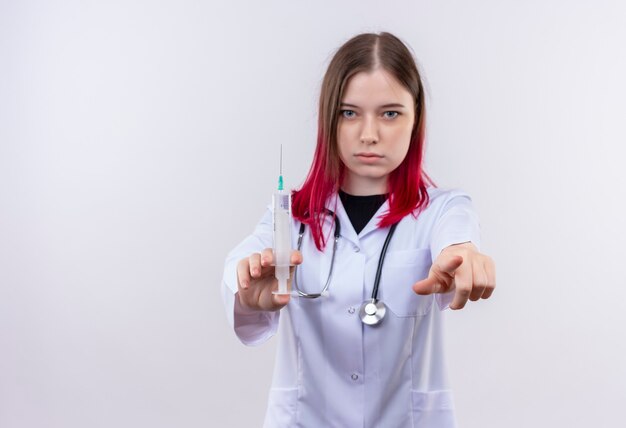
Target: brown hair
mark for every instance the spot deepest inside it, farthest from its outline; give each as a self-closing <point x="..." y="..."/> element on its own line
<point x="407" y="183"/>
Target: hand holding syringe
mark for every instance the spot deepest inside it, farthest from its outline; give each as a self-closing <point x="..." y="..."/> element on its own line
<point x="263" y="278"/>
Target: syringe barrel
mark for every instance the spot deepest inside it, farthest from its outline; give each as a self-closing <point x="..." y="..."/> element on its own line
<point x="282" y="228"/>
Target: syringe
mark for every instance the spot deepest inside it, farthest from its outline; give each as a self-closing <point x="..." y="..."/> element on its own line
<point x="282" y="232"/>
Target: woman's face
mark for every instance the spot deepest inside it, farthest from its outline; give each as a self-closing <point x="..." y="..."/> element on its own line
<point x="374" y="130"/>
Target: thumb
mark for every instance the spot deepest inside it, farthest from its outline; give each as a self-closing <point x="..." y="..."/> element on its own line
<point x="280" y="300"/>
<point x="440" y="277"/>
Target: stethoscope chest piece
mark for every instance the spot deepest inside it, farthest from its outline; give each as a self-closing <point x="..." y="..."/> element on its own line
<point x="372" y="311"/>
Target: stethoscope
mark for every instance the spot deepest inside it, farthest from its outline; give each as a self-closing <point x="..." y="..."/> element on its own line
<point x="372" y="311"/>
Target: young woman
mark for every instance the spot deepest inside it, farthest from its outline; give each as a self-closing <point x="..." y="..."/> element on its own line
<point x="342" y="362"/>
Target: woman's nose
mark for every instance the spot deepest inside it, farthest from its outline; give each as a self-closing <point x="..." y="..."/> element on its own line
<point x="369" y="132"/>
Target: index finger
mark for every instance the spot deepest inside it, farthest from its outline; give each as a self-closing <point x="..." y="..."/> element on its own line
<point x="267" y="257"/>
<point x="440" y="276"/>
<point x="427" y="286"/>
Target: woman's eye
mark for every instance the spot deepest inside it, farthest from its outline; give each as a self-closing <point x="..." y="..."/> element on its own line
<point x="390" y="114"/>
<point x="348" y="114"/>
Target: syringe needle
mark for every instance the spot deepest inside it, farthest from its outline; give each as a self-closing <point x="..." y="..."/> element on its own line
<point x="280" y="172"/>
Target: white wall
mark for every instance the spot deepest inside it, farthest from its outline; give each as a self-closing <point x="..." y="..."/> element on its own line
<point x="139" y="143"/>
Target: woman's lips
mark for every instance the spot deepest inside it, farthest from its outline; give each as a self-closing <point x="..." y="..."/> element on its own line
<point x="368" y="157"/>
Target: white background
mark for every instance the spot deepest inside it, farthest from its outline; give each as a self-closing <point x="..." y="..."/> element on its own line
<point x="139" y="143"/>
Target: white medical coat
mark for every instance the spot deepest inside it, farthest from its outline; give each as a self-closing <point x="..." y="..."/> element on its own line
<point x="332" y="370"/>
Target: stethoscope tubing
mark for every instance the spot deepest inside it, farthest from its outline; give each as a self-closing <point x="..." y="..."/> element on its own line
<point x="381" y="260"/>
<point x="332" y="260"/>
<point x="372" y="311"/>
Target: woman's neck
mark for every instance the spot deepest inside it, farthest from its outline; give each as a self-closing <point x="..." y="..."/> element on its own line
<point x="364" y="186"/>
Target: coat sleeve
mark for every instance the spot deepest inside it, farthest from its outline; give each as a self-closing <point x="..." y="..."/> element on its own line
<point x="252" y="328"/>
<point x="456" y="223"/>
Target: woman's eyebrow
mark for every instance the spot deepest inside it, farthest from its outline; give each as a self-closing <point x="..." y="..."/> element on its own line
<point x="393" y="105"/>
<point x="390" y="105"/>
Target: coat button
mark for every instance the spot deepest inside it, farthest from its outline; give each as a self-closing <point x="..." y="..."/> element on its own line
<point x="356" y="249"/>
<point x="351" y="310"/>
<point x="354" y="376"/>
